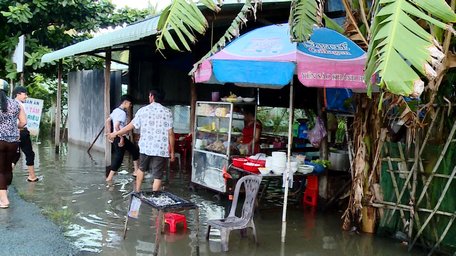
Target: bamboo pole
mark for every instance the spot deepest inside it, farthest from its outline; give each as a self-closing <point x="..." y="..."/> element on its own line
<point x="421" y="172"/>
<point x="414" y="184"/>
<point x="396" y="190"/>
<point x="447" y="228"/>
<point x="447" y="186"/>
<point x="288" y="171"/>
<point x="437" y="165"/>
<point x="193" y="98"/>
<point x="419" y="155"/>
<point x="384" y="204"/>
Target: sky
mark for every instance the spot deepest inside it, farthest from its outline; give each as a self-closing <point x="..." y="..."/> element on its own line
<point x="141" y="4"/>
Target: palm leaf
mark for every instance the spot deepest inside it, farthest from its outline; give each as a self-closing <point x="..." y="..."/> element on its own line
<point x="401" y="51"/>
<point x="330" y="23"/>
<point x="249" y="8"/>
<point x="352" y="30"/>
<point x="304" y="15"/>
<point x="179" y="21"/>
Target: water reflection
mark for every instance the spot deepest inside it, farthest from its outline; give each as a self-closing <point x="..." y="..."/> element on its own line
<point x="73" y="187"/>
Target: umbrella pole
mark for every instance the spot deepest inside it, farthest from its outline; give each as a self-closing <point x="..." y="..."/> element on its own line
<point x="290" y="142"/>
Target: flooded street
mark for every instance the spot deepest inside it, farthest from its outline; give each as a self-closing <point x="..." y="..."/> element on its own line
<point x="72" y="192"/>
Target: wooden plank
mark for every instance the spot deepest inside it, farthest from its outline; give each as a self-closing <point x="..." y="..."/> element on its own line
<point x="107" y="103"/>
<point x="58" y="111"/>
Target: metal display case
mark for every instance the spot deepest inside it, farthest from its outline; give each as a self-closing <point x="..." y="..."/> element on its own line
<point x="217" y="126"/>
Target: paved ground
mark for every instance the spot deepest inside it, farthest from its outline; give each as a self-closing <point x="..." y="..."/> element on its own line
<point x="25" y="231"/>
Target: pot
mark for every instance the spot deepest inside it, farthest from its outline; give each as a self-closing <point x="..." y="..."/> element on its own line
<point x="339" y="160"/>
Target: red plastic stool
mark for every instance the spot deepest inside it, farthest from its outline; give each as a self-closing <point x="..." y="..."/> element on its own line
<point x="312" y="182"/>
<point x="310" y="197"/>
<point x="311" y="193"/>
<point x="173" y="219"/>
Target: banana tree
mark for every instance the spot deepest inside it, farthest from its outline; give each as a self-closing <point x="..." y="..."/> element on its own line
<point x="407" y="55"/>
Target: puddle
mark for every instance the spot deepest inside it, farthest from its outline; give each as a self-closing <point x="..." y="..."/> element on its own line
<point x="73" y="193"/>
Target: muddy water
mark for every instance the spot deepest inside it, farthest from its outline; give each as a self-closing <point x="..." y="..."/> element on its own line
<point x="73" y="193"/>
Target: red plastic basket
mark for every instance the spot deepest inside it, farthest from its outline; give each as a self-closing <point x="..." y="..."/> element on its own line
<point x="239" y="162"/>
<point x="252" y="167"/>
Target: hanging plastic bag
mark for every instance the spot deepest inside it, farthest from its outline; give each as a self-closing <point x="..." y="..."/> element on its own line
<point x="317" y="133"/>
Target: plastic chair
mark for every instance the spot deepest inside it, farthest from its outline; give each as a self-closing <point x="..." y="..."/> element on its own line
<point x="232" y="222"/>
<point x="177" y="157"/>
<point x="182" y="145"/>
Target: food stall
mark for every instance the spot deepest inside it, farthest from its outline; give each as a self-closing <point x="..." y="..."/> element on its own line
<point x="217" y="127"/>
<point x="218" y="161"/>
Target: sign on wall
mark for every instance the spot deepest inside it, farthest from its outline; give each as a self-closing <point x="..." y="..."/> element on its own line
<point x="33" y="109"/>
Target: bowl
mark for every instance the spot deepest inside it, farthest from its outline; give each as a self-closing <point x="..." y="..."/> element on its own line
<point x="248" y="99"/>
<point x="251" y="167"/>
<point x="239" y="162"/>
<point x="264" y="170"/>
<point x="232" y="100"/>
<point x="305" y="168"/>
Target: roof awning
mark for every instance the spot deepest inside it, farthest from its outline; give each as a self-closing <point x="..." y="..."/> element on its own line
<point x="121" y="36"/>
<point x="125" y="35"/>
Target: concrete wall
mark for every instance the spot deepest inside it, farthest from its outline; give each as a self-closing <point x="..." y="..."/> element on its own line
<point x="85" y="106"/>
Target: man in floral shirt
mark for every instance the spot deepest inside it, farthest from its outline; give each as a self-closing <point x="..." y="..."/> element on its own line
<point x="156" y="143"/>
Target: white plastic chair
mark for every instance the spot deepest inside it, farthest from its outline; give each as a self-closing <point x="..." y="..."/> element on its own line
<point x="232" y="222"/>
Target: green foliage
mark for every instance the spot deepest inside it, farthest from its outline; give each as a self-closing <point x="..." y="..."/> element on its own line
<point x="276" y="120"/>
<point x="325" y="163"/>
<point x="401" y="51"/>
<point x="53" y="24"/>
<point x="179" y="21"/>
<point x="46" y="89"/>
<point x="304" y="15"/>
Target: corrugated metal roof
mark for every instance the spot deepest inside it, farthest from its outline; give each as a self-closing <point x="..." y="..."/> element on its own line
<point x="127" y="34"/>
<point x="130" y="33"/>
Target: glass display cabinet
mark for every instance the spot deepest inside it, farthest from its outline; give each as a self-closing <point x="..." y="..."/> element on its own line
<point x="217" y="127"/>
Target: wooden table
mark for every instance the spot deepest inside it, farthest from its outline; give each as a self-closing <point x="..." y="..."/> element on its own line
<point x="175" y="203"/>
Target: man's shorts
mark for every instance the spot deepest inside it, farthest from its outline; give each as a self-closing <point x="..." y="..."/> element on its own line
<point x="155" y="164"/>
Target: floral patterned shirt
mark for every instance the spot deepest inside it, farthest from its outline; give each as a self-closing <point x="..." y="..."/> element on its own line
<point x="9" y="131"/>
<point x="154" y="122"/>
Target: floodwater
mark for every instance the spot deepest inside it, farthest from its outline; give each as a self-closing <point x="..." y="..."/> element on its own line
<point x="72" y="192"/>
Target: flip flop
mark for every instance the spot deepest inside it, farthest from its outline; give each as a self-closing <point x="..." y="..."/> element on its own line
<point x="4" y="206"/>
<point x="35" y="180"/>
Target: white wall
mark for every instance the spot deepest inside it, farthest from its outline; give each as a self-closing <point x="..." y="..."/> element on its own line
<point x="85" y="106"/>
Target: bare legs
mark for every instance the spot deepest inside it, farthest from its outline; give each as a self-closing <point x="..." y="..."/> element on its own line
<point x="31" y="173"/>
<point x="139" y="179"/>
<point x="110" y="175"/>
<point x="156" y="185"/>
<point x="3" y="198"/>
<point x="136" y="166"/>
<point x="135" y="172"/>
